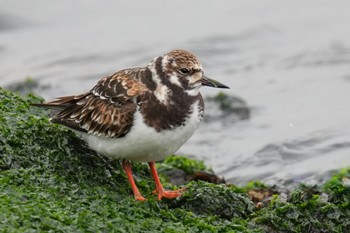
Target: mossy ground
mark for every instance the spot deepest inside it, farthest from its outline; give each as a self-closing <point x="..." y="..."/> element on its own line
<point x="51" y="182"/>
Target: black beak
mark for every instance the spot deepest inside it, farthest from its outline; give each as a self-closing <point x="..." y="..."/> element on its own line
<point x="212" y="83"/>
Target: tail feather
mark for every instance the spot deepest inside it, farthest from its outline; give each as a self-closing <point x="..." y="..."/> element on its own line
<point x="60" y="102"/>
<point x="62" y="107"/>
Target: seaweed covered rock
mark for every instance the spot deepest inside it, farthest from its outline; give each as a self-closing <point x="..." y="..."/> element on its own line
<point x="204" y="198"/>
<point x="310" y="209"/>
<point x="225" y="107"/>
<point x="26" y="86"/>
<point x="180" y="170"/>
<point x="50" y="181"/>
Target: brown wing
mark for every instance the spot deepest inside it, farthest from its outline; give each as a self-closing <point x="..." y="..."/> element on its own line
<point x="107" y="109"/>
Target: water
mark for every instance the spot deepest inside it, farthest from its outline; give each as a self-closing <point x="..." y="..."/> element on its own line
<point x="289" y="60"/>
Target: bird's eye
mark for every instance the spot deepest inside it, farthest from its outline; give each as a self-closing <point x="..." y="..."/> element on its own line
<point x="184" y="70"/>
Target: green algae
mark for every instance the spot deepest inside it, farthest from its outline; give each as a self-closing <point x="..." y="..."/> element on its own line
<point x="50" y="181"/>
<point x="305" y="210"/>
<point x="227" y="204"/>
<point x="189" y="166"/>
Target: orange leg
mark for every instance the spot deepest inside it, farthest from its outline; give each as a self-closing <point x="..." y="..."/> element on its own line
<point x="159" y="187"/>
<point x="127" y="168"/>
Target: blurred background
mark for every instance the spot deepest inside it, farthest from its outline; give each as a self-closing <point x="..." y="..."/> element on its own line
<point x="287" y="114"/>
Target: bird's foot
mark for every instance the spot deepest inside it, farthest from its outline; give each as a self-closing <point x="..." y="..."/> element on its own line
<point x="139" y="197"/>
<point x="169" y="194"/>
<point x="159" y="187"/>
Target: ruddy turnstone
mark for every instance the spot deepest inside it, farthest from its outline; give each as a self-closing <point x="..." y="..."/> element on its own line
<point x="142" y="114"/>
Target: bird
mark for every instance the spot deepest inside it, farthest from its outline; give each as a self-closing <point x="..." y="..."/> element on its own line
<point x="142" y="114"/>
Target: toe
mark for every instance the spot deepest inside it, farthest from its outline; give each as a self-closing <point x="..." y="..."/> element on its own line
<point x="139" y="198"/>
<point x="170" y="194"/>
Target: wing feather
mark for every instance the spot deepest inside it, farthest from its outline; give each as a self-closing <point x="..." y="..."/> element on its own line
<point x="106" y="110"/>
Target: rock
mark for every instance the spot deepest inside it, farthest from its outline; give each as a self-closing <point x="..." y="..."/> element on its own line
<point x="223" y="106"/>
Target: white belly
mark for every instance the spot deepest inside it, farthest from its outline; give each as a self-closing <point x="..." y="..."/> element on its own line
<point x="144" y="143"/>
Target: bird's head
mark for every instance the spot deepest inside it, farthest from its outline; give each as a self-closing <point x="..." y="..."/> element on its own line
<point x="185" y="70"/>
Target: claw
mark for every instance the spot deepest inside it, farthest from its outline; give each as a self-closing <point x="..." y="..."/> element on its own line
<point x="169" y="194"/>
<point x="139" y="198"/>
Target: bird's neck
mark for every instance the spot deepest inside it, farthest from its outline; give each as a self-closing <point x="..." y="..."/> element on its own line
<point x="167" y="104"/>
